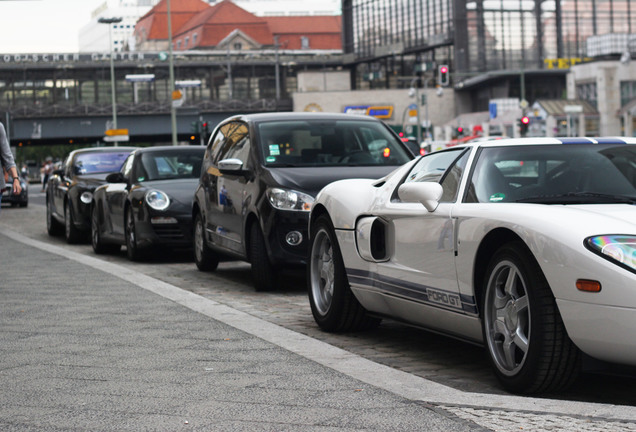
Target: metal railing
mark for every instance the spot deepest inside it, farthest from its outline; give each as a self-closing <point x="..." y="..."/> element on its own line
<point x="146" y="108"/>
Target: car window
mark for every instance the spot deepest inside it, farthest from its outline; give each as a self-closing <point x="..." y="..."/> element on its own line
<point x="228" y="136"/>
<point x="434" y="167"/>
<point x="319" y="142"/>
<point x="98" y="162"/>
<point x="554" y="174"/>
<point x="126" y="168"/>
<point x="161" y="165"/>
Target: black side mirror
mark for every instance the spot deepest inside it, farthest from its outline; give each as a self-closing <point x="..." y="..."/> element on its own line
<point x="115" y="177"/>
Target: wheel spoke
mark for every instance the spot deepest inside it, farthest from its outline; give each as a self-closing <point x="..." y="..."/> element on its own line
<point x="521" y="306"/>
<point x="520" y="341"/>
<point x="511" y="282"/>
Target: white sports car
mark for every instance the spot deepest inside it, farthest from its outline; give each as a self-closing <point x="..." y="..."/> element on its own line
<point x="527" y="246"/>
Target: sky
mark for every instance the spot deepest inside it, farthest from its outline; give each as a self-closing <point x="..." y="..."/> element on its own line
<point x="43" y="26"/>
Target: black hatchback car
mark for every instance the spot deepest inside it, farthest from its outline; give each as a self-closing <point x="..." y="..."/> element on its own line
<point x="260" y="175"/>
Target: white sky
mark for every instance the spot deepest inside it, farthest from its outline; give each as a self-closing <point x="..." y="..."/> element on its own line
<point x="43" y="26"/>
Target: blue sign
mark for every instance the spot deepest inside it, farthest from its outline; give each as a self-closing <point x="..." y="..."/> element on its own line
<point x="492" y="107"/>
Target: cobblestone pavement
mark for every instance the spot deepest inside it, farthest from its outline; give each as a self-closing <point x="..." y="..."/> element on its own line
<point x="442" y="360"/>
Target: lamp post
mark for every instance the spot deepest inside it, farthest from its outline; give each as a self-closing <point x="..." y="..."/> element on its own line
<point x="110" y="21"/>
<point x="173" y="108"/>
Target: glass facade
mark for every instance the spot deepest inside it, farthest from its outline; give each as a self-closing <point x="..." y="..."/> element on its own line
<point x="390" y="38"/>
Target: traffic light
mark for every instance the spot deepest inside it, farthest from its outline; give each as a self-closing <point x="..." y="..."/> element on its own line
<point x="460" y="131"/>
<point x="524" y="122"/>
<point x="443" y="75"/>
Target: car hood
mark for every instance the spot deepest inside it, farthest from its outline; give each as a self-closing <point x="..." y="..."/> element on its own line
<point x="93" y="180"/>
<point x="617" y="212"/>
<point x="179" y="190"/>
<point x="312" y="179"/>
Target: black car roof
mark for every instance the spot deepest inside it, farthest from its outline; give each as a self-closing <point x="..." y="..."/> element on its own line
<point x="261" y="117"/>
<point x="170" y="148"/>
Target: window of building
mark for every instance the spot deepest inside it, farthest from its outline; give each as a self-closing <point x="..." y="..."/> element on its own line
<point x="628" y="92"/>
<point x="304" y="42"/>
<point x="587" y="92"/>
<point x="187" y="42"/>
<point x="238" y="46"/>
<point x="194" y="39"/>
<point x="178" y="45"/>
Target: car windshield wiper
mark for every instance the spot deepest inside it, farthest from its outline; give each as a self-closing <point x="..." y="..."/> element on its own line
<point x="579" y="198"/>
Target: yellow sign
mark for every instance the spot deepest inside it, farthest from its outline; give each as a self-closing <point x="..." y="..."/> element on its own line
<point x="176" y="95"/>
<point x="114" y="132"/>
<point x="564" y="63"/>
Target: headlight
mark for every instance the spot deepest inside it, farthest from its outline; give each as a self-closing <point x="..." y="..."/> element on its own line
<point x="284" y="199"/>
<point x="86" y="197"/>
<point x="157" y="200"/>
<point x="619" y="249"/>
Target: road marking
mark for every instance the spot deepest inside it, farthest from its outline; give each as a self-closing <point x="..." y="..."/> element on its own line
<point x="398" y="382"/>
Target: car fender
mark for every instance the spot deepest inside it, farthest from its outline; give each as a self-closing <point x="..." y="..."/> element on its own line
<point x="345" y="200"/>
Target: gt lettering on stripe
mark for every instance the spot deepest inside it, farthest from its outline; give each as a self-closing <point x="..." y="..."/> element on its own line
<point x="443" y="298"/>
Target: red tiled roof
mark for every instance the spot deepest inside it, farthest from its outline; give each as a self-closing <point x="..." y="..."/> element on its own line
<point x="155" y="22"/>
<point x="305" y="24"/>
<point x="212" y="24"/>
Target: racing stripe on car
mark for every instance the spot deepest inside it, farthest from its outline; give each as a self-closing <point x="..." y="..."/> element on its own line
<point x="417" y="292"/>
<point x="610" y="141"/>
<point x="575" y="141"/>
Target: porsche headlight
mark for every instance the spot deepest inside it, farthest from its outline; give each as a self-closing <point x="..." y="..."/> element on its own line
<point x="285" y="199"/>
<point x="620" y="249"/>
<point x="86" y="197"/>
<point x="157" y="200"/>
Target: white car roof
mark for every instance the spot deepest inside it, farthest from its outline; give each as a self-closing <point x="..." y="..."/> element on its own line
<point x="545" y="141"/>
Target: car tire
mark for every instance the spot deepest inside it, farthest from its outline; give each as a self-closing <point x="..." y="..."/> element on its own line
<point x="99" y="247"/>
<point x="71" y="233"/>
<point x="333" y="304"/>
<point x="526" y="339"/>
<point x="263" y="272"/>
<point x="132" y="250"/>
<point x="204" y="257"/>
<point x="53" y="227"/>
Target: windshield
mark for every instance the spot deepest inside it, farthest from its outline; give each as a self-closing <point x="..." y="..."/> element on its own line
<point x="99" y="162"/>
<point x="555" y="174"/>
<point x="329" y="143"/>
<point x="169" y="165"/>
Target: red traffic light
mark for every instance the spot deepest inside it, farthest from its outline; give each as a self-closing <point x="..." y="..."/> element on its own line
<point x="460" y="129"/>
<point x="443" y="69"/>
<point x="525" y="120"/>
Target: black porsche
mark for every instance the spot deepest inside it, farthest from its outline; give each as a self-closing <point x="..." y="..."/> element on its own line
<point x="148" y="203"/>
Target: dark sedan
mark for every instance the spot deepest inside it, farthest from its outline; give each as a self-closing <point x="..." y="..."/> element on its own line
<point x="148" y="202"/>
<point x="69" y="191"/>
<point x="261" y="174"/>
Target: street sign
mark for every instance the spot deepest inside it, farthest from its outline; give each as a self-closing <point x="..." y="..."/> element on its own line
<point x="140" y="77"/>
<point x="117" y="138"/>
<point x="116" y="132"/>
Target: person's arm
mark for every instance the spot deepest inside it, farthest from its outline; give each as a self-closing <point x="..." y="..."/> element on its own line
<point x="8" y="162"/>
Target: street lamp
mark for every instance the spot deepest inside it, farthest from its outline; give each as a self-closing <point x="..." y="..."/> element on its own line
<point x="112" y="64"/>
<point x="173" y="108"/>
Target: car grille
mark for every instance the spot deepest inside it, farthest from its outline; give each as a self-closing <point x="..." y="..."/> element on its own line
<point x="169" y="232"/>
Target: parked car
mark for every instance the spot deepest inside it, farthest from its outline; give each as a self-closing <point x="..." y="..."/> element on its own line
<point x="527" y="246"/>
<point x="9" y="197"/>
<point x="69" y="190"/>
<point x="148" y="203"/>
<point x="260" y="175"/>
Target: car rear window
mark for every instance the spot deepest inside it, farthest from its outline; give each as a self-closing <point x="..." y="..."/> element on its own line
<point x="329" y="143"/>
<point x="99" y="162"/>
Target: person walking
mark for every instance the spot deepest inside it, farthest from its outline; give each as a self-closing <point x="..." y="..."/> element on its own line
<point x="8" y="164"/>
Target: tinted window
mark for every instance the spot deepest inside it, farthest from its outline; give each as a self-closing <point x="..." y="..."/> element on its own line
<point x="329" y="143"/>
<point x="554" y="174"/>
<point x="169" y="165"/>
<point x="99" y="162"/>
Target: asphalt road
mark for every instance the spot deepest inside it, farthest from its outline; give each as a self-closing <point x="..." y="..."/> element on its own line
<point x="603" y="401"/>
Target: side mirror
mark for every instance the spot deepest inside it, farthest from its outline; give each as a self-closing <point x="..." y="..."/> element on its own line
<point x="232" y="166"/>
<point x="426" y="193"/>
<point x="115" y="177"/>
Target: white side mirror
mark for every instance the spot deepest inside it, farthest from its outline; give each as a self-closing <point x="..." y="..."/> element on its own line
<point x="426" y="193"/>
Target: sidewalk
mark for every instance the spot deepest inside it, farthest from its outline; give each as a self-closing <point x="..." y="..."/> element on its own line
<point x="86" y="350"/>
